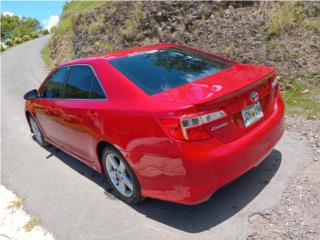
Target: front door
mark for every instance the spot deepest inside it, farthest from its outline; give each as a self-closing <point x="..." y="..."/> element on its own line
<point x="48" y="110"/>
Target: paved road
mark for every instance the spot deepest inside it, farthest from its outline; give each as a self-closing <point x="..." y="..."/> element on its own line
<point x="71" y="201"/>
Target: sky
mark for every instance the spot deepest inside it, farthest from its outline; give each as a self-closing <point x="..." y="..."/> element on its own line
<point x="46" y="12"/>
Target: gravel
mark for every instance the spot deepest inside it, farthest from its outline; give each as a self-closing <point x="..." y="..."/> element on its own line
<point x="297" y="216"/>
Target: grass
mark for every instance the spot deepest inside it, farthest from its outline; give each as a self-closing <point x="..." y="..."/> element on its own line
<point x="302" y="89"/>
<point x="229" y="50"/>
<point x="72" y="9"/>
<point x="284" y="18"/>
<point x="16" y="204"/>
<point x="131" y="24"/>
<point x="63" y="32"/>
<point x="30" y="224"/>
<point x="312" y="24"/>
<point x="45" y="53"/>
<point x="302" y="98"/>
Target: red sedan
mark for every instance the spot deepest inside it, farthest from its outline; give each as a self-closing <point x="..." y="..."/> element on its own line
<point x="163" y="121"/>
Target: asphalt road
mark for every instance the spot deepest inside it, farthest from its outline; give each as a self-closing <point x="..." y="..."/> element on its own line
<point x="71" y="200"/>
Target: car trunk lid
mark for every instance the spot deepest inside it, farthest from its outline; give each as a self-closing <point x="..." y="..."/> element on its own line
<point x="229" y="90"/>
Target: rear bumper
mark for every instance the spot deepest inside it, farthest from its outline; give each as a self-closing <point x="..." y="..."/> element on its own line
<point x="209" y="165"/>
<point x="217" y="167"/>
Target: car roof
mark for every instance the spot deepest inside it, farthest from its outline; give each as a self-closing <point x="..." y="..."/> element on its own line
<point x="118" y="54"/>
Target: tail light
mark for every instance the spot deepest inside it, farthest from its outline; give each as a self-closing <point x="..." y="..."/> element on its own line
<point x="191" y="127"/>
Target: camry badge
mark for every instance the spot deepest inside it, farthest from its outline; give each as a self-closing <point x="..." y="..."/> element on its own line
<point x="219" y="126"/>
<point x="254" y="96"/>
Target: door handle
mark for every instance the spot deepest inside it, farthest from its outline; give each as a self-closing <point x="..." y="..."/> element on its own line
<point x="55" y="111"/>
<point x="92" y="114"/>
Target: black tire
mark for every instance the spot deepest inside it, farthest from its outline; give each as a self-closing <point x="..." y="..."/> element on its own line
<point x="39" y="138"/>
<point x="136" y="195"/>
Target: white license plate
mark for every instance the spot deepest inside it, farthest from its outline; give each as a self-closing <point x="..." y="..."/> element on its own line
<point x="251" y="114"/>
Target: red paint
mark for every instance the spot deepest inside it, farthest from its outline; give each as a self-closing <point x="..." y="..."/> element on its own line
<point x="137" y="124"/>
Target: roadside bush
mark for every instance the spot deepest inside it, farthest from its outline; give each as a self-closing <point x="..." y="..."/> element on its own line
<point x="34" y="35"/>
<point x="9" y="42"/>
<point x="26" y="38"/>
<point x="54" y="29"/>
<point x="2" y="48"/>
<point x="312" y="24"/>
<point x="17" y="40"/>
<point x="132" y="22"/>
<point x="45" y="31"/>
<point x="284" y="18"/>
<point x="97" y="26"/>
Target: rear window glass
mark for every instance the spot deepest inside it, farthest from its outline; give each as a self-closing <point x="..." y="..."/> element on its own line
<point x="160" y="70"/>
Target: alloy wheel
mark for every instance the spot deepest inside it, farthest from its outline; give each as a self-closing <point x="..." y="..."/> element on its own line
<point x="36" y="130"/>
<point x="118" y="174"/>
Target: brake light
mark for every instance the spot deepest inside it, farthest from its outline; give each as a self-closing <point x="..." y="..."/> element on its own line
<point x="172" y="127"/>
<point x="191" y="128"/>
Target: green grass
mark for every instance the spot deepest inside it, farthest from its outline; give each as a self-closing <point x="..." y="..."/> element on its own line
<point x="45" y="53"/>
<point x="312" y="24"/>
<point x="303" y="98"/>
<point x="63" y="32"/>
<point x="131" y="24"/>
<point x="289" y="15"/>
<point x="72" y="9"/>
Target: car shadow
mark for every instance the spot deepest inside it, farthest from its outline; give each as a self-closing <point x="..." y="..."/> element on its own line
<point x="193" y="219"/>
<point x="79" y="167"/>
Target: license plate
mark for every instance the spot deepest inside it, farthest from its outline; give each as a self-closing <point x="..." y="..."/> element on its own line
<point x="251" y="114"/>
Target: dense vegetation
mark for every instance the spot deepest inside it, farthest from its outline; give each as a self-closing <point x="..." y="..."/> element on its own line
<point x="63" y="34"/>
<point x="15" y="29"/>
<point x="281" y="34"/>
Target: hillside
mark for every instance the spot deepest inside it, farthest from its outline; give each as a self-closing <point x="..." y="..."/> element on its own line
<point x="284" y="35"/>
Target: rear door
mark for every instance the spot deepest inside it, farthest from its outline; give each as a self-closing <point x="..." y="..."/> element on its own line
<point x="83" y="104"/>
<point x="48" y="109"/>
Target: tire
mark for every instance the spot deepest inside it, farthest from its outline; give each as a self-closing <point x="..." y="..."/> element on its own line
<point x="120" y="176"/>
<point x="37" y="134"/>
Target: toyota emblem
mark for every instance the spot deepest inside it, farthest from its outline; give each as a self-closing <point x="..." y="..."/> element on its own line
<point x="254" y="96"/>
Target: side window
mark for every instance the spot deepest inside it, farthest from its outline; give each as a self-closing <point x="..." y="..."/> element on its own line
<point x="53" y="85"/>
<point x="81" y="81"/>
<point x="96" y="90"/>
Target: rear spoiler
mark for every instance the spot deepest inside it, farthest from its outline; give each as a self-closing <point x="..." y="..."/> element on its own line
<point x="222" y="95"/>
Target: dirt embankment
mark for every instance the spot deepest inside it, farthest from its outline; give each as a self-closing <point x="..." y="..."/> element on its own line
<point x="285" y="35"/>
<point x="246" y="32"/>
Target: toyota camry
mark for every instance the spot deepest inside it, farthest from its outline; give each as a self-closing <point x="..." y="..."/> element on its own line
<point x="164" y="121"/>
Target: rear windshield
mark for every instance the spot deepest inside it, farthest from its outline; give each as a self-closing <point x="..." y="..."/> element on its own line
<point x="160" y="70"/>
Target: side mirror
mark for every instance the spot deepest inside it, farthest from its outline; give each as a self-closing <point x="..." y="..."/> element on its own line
<point x="31" y="95"/>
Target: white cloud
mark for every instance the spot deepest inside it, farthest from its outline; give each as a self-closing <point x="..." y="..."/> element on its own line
<point x="8" y="13"/>
<point x="53" y="21"/>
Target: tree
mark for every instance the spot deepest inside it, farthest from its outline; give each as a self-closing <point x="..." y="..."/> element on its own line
<point x="45" y="31"/>
<point x="14" y="26"/>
